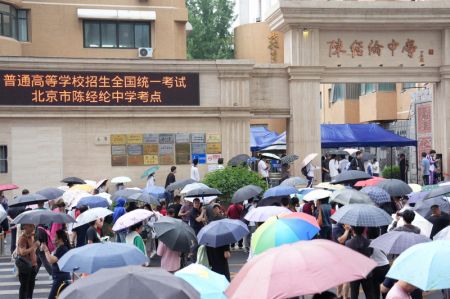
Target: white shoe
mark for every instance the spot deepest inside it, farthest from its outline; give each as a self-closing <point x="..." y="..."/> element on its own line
<point x="152" y="255"/>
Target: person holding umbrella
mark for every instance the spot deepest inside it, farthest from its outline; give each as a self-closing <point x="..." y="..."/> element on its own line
<point x="401" y="290"/>
<point x="197" y="217"/>
<point x="92" y="233"/>
<point x="59" y="277"/>
<point x="27" y="261"/>
<point x="360" y="244"/>
<point x="170" y="259"/>
<point x="134" y="237"/>
<point x="357" y="163"/>
<point x="408" y="218"/>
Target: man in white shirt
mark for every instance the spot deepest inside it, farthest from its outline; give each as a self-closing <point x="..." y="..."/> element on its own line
<point x="195" y="175"/>
<point x="333" y="166"/>
<point x="263" y="169"/>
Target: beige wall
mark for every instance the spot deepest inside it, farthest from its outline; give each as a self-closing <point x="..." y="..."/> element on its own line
<point x="251" y="41"/>
<point x="276" y="125"/>
<point x="61" y="35"/>
<point x="378" y="106"/>
<point x="404" y="101"/>
<point x="10" y="47"/>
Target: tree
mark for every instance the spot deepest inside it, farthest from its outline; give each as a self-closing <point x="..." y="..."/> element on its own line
<point x="230" y="179"/>
<point x="211" y="22"/>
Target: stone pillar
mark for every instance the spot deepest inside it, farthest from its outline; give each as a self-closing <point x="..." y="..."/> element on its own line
<point x="441" y="107"/>
<point x="303" y="136"/>
<point x="301" y="50"/>
<point x="235" y="107"/>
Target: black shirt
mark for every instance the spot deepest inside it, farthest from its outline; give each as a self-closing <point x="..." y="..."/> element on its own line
<point x="170" y="179"/>
<point x="58" y="274"/>
<point x="81" y="234"/>
<point x="176" y="208"/>
<point x="196" y="226"/>
<point x="92" y="235"/>
<point x="360" y="244"/>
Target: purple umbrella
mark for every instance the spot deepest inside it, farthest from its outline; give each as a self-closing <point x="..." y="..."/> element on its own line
<point x="395" y="242"/>
<point x="222" y="232"/>
<point x="417" y="196"/>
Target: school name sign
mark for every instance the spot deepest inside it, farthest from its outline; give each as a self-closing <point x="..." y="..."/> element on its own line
<point x="98" y="88"/>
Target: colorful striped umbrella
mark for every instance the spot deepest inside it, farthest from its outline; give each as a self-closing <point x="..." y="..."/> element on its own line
<point x="284" y="229"/>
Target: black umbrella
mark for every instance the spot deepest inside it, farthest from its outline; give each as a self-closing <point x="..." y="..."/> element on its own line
<point x="175" y="234"/>
<point x="143" y="197"/>
<point x="51" y="193"/>
<point x="125" y="193"/>
<point x="73" y="180"/>
<point x="42" y="217"/>
<point x="203" y="192"/>
<point x="238" y="160"/>
<point x="423" y="207"/>
<point x="350" y="176"/>
<point x="246" y="193"/>
<point x="338" y="152"/>
<point x="395" y="187"/>
<point x="442" y="190"/>
<point x="180" y="184"/>
<point x="130" y="282"/>
<point x="288" y="159"/>
<point x="25" y="200"/>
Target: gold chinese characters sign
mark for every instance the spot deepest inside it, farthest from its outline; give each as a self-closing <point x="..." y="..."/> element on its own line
<point x="98" y="89"/>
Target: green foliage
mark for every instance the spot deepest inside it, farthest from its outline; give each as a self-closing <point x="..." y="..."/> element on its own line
<point x="230" y="179"/>
<point x="391" y="173"/>
<point x="211" y="21"/>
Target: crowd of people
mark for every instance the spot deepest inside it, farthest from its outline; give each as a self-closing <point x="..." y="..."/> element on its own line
<point x="44" y="245"/>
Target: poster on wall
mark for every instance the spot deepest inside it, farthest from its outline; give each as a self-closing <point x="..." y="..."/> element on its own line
<point x="164" y="149"/>
<point x="182" y="153"/>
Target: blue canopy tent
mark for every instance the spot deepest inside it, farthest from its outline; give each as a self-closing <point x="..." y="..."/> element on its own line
<point x="261" y="137"/>
<point x="362" y="135"/>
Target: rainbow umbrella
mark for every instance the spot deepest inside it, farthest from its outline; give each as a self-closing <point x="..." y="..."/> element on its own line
<point x="284" y="229"/>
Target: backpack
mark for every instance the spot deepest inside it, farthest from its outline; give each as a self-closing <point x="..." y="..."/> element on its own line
<point x="50" y="245"/>
<point x="304" y="171"/>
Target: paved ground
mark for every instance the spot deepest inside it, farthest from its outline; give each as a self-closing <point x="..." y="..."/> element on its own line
<point x="9" y="284"/>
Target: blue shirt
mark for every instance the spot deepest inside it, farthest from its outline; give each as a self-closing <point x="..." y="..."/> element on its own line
<point x="425" y="166"/>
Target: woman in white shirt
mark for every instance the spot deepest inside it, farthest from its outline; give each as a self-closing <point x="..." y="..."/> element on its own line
<point x="333" y="166"/>
<point x="375" y="167"/>
<point x="195" y="175"/>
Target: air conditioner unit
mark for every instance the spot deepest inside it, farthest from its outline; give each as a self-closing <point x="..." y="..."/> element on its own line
<point x="145" y="52"/>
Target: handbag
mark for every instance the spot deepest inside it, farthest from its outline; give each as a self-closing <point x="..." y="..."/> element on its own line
<point x="23" y="265"/>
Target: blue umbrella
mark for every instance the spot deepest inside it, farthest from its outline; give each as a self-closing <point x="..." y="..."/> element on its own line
<point x="417" y="196"/>
<point x="279" y="191"/>
<point x="93" y="202"/>
<point x="209" y="284"/>
<point x="362" y="215"/>
<point x="222" y="232"/>
<point x="395" y="242"/>
<point x="156" y="191"/>
<point x="424" y="265"/>
<point x="93" y="257"/>
<point x="423" y="207"/>
<point x="376" y="194"/>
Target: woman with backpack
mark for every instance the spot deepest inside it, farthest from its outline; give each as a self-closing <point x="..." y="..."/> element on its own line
<point x="62" y="247"/>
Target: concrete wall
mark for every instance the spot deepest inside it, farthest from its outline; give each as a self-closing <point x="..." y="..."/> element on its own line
<point x="10" y="47"/>
<point x="275" y="125"/>
<point x="49" y="36"/>
<point x="251" y="41"/>
<point x="378" y="106"/>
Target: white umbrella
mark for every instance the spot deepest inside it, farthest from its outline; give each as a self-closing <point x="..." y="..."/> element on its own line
<point x="2" y="213"/>
<point x="270" y="155"/>
<point x="327" y="185"/>
<point x="261" y="214"/>
<point x="317" y="194"/>
<point x="91" y="183"/>
<point x="443" y="234"/>
<point x="351" y="151"/>
<point x="72" y="196"/>
<point x="309" y="158"/>
<point x="91" y="215"/>
<point x="206" y="200"/>
<point x="120" y="180"/>
<point x="419" y="221"/>
<point x="99" y="183"/>
<point x="191" y="187"/>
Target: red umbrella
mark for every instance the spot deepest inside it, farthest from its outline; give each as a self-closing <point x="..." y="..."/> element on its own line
<point x="8" y="187"/>
<point x="370" y="182"/>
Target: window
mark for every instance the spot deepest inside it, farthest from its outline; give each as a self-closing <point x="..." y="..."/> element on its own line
<point x="13" y="22"/>
<point x="3" y="159"/>
<point x="109" y="34"/>
<point x="409" y="85"/>
<point x="386" y="86"/>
